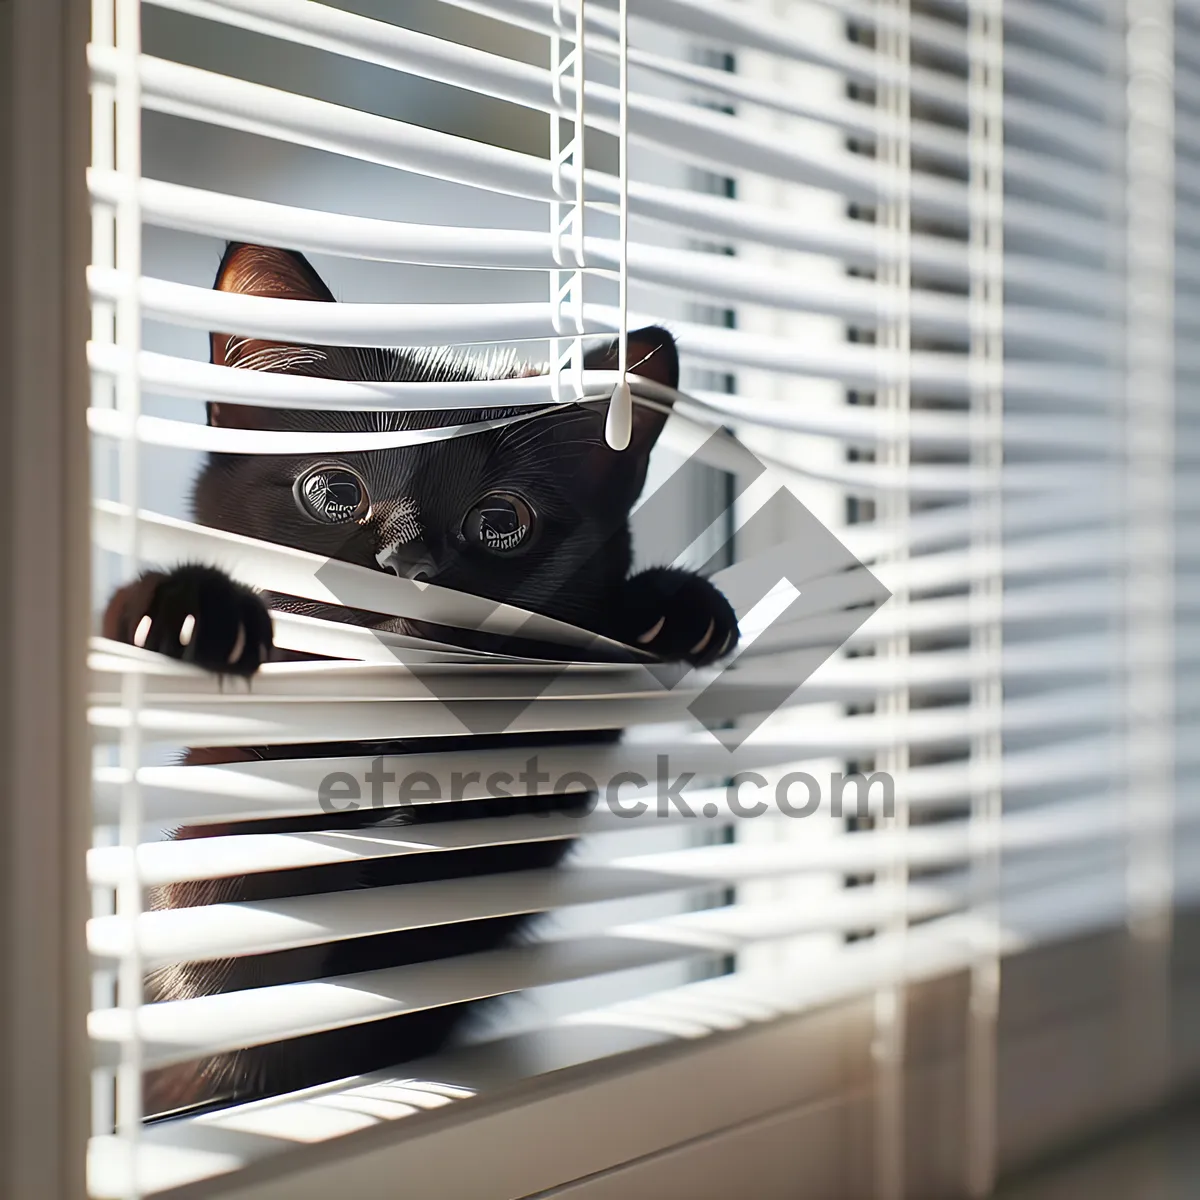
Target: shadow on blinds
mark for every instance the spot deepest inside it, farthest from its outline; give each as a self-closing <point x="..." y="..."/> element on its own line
<point x="878" y="671"/>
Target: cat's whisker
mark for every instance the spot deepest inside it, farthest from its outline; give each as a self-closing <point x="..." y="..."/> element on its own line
<point x="516" y="437"/>
<point x="633" y="367"/>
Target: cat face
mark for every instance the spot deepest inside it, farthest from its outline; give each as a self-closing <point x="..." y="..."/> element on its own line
<point x="534" y="514"/>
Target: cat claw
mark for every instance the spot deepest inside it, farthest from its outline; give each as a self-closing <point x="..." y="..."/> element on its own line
<point x="644" y="639"/>
<point x="196" y="615"/>
<point x="699" y="646"/>
<point x="186" y="629"/>
<point x="239" y="646"/>
<point x="695" y="623"/>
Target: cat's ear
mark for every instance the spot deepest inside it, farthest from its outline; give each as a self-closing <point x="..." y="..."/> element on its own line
<point x="268" y="271"/>
<point x="653" y="356"/>
<point x="622" y="473"/>
<point x="259" y="271"/>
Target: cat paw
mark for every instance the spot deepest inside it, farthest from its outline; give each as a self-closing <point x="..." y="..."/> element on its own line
<point x="196" y="614"/>
<point x="677" y="616"/>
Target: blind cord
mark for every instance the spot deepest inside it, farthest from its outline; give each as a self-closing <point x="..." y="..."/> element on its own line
<point x="618" y="427"/>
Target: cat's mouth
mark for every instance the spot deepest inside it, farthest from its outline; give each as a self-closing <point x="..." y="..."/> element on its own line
<point x="408" y="560"/>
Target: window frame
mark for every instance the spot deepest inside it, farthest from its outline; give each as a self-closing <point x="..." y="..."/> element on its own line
<point x="44" y="611"/>
<point x="44" y="615"/>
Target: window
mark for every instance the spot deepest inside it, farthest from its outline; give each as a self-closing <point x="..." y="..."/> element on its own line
<point x="929" y="269"/>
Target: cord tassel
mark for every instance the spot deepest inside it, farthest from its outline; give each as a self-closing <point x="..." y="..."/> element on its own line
<point x="618" y="424"/>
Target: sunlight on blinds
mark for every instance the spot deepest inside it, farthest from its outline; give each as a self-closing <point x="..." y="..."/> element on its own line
<point x="927" y="269"/>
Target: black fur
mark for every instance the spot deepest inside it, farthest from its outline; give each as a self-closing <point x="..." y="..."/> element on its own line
<point x="575" y="567"/>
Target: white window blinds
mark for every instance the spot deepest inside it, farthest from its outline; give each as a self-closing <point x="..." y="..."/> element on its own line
<point x="930" y="272"/>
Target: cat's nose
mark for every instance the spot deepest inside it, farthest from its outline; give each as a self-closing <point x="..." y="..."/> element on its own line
<point x="408" y="560"/>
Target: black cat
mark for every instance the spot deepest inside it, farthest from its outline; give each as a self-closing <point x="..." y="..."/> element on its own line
<point x="535" y="514"/>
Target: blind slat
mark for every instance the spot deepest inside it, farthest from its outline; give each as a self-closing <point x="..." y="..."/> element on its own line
<point x="198" y="210"/>
<point x="719" y="276"/>
<point x="265" y="724"/>
<point x="169" y="1157"/>
<point x="331" y="581"/>
<point x="254" y="927"/>
<point x="703" y="139"/>
<point x="1091" y="818"/>
<point x="391" y="46"/>
<point x="178" y="1030"/>
<point x="709" y="20"/>
<point x="953" y="390"/>
<point x="367" y="324"/>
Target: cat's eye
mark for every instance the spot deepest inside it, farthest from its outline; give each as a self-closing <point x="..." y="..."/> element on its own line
<point x="332" y="494"/>
<point x="500" y="523"/>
